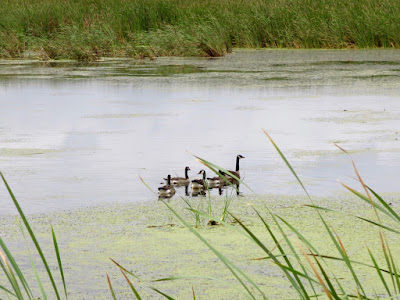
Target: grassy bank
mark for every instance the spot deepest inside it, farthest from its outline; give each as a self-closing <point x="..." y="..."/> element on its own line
<point x="91" y="29"/>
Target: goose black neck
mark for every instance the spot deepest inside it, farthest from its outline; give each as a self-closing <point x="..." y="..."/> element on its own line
<point x="204" y="175"/>
<point x="237" y="163"/>
<point x="186" y="173"/>
<point x="169" y="180"/>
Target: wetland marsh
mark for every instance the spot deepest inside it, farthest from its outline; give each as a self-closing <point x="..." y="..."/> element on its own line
<point x="74" y="138"/>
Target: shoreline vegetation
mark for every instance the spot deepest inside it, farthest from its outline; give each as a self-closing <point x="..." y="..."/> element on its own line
<point x="91" y="29"/>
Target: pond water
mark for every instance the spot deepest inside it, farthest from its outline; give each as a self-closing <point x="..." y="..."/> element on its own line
<point x="79" y="134"/>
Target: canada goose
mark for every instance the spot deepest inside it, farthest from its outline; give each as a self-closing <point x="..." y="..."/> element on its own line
<point x="236" y="172"/>
<point x="181" y="181"/>
<point x="198" y="192"/>
<point x="167" y="190"/>
<point x="216" y="181"/>
<point x="198" y="184"/>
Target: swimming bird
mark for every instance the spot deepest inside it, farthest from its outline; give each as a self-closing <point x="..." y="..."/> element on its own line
<point x="167" y="190"/>
<point x="181" y="181"/>
<point x="217" y="181"/>
<point x="236" y="172"/>
<point x="199" y="183"/>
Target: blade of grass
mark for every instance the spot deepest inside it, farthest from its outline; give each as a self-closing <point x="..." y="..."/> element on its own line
<point x="111" y="288"/>
<point x="379" y="225"/>
<point x="3" y="267"/>
<point x="361" y="196"/>
<point x="364" y="219"/>
<point x="131" y="286"/>
<point x="184" y="277"/>
<point x="327" y="280"/>
<point x="16" y="268"/>
<point x="7" y="291"/>
<point x="396" y="275"/>
<point x="339" y="246"/>
<point x="288" y="242"/>
<point x="269" y="253"/>
<point x="225" y="261"/>
<point x="326" y="290"/>
<point x="125" y="270"/>
<point x="214" y="168"/>
<point x="161" y="293"/>
<point x="59" y="260"/>
<point x="387" y="261"/>
<point x="299" y="235"/>
<point x="379" y="272"/>
<point x="287" y="163"/>
<point x="299" y="286"/>
<point x="10" y="275"/>
<point x="32" y="235"/>
<point x="39" y="282"/>
<point x="384" y="203"/>
<point x="150" y="189"/>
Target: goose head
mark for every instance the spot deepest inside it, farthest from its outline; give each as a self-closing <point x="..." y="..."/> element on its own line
<point x="204" y="173"/>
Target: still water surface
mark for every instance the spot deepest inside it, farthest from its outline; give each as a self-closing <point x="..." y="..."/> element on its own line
<point x="80" y="134"/>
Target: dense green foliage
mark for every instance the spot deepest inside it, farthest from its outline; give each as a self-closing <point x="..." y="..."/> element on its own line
<point x="88" y="29"/>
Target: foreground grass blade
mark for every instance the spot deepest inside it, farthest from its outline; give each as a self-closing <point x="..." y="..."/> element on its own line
<point x="10" y="275"/>
<point x="226" y="262"/>
<point x="123" y="269"/>
<point x="326" y="277"/>
<point x="375" y="205"/>
<point x="39" y="282"/>
<point x="288" y="242"/>
<point x="7" y="291"/>
<point x="59" y="260"/>
<point x="185" y="277"/>
<point x="384" y="203"/>
<point x="339" y="246"/>
<point x="150" y="189"/>
<point x="111" y="288"/>
<point x="32" y="235"/>
<point x="131" y="286"/>
<point x="214" y="168"/>
<point x="326" y="290"/>
<point x="378" y="270"/>
<point x="287" y="163"/>
<point x="299" y="285"/>
<point x="161" y="293"/>
<point x="16" y="268"/>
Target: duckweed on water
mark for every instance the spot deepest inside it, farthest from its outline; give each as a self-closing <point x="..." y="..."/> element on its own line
<point x="150" y="242"/>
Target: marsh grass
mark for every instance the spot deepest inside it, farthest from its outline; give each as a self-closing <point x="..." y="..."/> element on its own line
<point x="92" y="29"/>
<point x="309" y="272"/>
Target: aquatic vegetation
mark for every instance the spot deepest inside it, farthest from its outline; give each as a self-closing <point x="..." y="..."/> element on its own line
<point x="309" y="271"/>
<point x="88" y="30"/>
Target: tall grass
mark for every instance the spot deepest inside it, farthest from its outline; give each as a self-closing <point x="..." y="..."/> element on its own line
<point x="91" y="29"/>
<point x="308" y="270"/>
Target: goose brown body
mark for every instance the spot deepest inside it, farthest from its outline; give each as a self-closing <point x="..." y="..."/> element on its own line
<point x="167" y="190"/>
<point x="181" y="181"/>
<point x="199" y="183"/>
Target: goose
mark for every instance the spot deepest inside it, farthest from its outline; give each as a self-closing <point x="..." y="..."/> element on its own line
<point x="236" y="172"/>
<point x="198" y="184"/>
<point x="181" y="181"/>
<point x="167" y="190"/>
<point x="216" y="181"/>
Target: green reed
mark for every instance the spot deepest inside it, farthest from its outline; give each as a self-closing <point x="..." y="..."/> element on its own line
<point x="91" y="29"/>
<point x="307" y="270"/>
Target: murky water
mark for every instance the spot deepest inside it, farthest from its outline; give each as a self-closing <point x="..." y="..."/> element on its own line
<point x="74" y="134"/>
